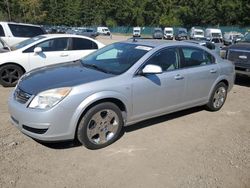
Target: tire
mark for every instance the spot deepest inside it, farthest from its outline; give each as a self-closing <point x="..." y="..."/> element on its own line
<point x="100" y="126"/>
<point x="218" y="97"/>
<point x="10" y="74"/>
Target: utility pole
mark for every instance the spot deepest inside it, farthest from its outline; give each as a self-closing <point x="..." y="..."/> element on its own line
<point x="8" y="9"/>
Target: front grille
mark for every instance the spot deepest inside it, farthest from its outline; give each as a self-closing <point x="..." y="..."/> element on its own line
<point x="239" y="57"/>
<point x="21" y="96"/>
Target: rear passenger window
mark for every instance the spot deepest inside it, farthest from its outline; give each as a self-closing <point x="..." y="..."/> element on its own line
<point x="83" y="44"/>
<point x="1" y="32"/>
<point x="25" y="30"/>
<point x="196" y="57"/>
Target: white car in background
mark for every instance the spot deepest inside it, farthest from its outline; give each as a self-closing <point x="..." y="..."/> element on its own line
<point x="13" y="33"/>
<point x="43" y="50"/>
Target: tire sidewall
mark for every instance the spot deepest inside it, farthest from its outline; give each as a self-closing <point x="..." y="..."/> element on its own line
<point x="83" y="125"/>
<point x="210" y="105"/>
<point x="3" y="83"/>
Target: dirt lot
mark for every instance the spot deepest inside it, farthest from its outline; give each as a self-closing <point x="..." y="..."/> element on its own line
<point x="192" y="148"/>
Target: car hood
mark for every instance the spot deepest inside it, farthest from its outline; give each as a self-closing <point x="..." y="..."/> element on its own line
<point x="61" y="75"/>
<point x="240" y="46"/>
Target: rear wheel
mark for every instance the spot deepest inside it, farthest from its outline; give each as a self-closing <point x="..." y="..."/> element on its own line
<point x="10" y="74"/>
<point x="218" y="97"/>
<point x="100" y="126"/>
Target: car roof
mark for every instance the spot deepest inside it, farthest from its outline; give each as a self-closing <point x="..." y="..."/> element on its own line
<point x="65" y="35"/>
<point x="21" y="24"/>
<point x="155" y="43"/>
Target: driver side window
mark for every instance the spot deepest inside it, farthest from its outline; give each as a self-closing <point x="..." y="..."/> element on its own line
<point x="167" y="59"/>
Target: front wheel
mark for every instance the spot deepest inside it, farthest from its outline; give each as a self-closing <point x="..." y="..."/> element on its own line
<point x="100" y="126"/>
<point x="10" y="74"/>
<point x="218" y="97"/>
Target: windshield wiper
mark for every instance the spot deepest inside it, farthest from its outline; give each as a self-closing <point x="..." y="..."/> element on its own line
<point x="93" y="66"/>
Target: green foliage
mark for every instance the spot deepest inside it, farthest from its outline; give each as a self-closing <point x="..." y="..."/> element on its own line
<point x="127" y="12"/>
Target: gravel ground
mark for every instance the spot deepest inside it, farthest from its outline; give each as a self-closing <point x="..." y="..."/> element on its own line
<point x="191" y="148"/>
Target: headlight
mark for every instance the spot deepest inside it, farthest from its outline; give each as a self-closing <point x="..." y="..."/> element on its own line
<point x="49" y="98"/>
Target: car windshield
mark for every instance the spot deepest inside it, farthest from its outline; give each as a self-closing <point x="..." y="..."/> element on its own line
<point x="199" y="33"/>
<point x="115" y="58"/>
<point x="182" y="31"/>
<point x="168" y="32"/>
<point x="216" y="35"/>
<point x="26" y="42"/>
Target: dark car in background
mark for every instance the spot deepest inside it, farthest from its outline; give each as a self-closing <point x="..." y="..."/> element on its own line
<point x="206" y="44"/>
<point x="181" y="34"/>
<point x="239" y="54"/>
<point x="158" y="33"/>
<point x="88" y="32"/>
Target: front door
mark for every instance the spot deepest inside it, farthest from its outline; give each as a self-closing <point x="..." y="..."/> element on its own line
<point x="53" y="51"/>
<point x="156" y="94"/>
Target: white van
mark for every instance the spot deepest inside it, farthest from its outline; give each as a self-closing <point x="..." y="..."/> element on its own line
<point x="13" y="33"/>
<point x="136" y="32"/>
<point x="213" y="33"/>
<point x="103" y="31"/>
<point x="168" y="33"/>
<point x="196" y="33"/>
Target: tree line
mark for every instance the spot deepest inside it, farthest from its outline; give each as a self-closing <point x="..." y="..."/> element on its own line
<point x="127" y="12"/>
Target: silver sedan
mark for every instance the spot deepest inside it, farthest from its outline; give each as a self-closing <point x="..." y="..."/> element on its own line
<point x="94" y="98"/>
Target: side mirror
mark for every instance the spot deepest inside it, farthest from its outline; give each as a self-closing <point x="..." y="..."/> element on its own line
<point x="37" y="50"/>
<point x="152" y="69"/>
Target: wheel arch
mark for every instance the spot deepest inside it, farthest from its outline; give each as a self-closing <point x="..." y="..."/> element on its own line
<point x="119" y="102"/>
<point x="219" y="80"/>
<point x="12" y="63"/>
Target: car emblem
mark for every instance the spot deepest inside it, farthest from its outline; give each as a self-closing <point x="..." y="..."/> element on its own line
<point x="243" y="57"/>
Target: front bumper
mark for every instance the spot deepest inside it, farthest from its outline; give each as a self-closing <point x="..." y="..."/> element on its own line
<point x="45" y="125"/>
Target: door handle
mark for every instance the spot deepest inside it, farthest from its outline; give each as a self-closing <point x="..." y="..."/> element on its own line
<point x="64" y="55"/>
<point x="178" y="77"/>
<point x="213" y="71"/>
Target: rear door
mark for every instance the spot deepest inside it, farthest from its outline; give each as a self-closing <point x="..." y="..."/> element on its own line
<point x="201" y="73"/>
<point x="80" y="47"/>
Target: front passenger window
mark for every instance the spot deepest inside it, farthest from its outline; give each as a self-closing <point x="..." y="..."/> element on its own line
<point x="167" y="59"/>
<point x="58" y="44"/>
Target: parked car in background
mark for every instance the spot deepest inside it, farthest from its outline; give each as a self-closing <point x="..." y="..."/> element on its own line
<point x="213" y="33"/>
<point x="217" y="41"/>
<point x="206" y="44"/>
<point x="136" y="32"/>
<point x="93" y="99"/>
<point x="88" y="32"/>
<point x="196" y="33"/>
<point x="168" y="33"/>
<point x="181" y="34"/>
<point x="40" y="51"/>
<point x="232" y="37"/>
<point x="103" y="31"/>
<point x="239" y="54"/>
<point x="3" y="46"/>
<point x="13" y="33"/>
<point x="158" y="33"/>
